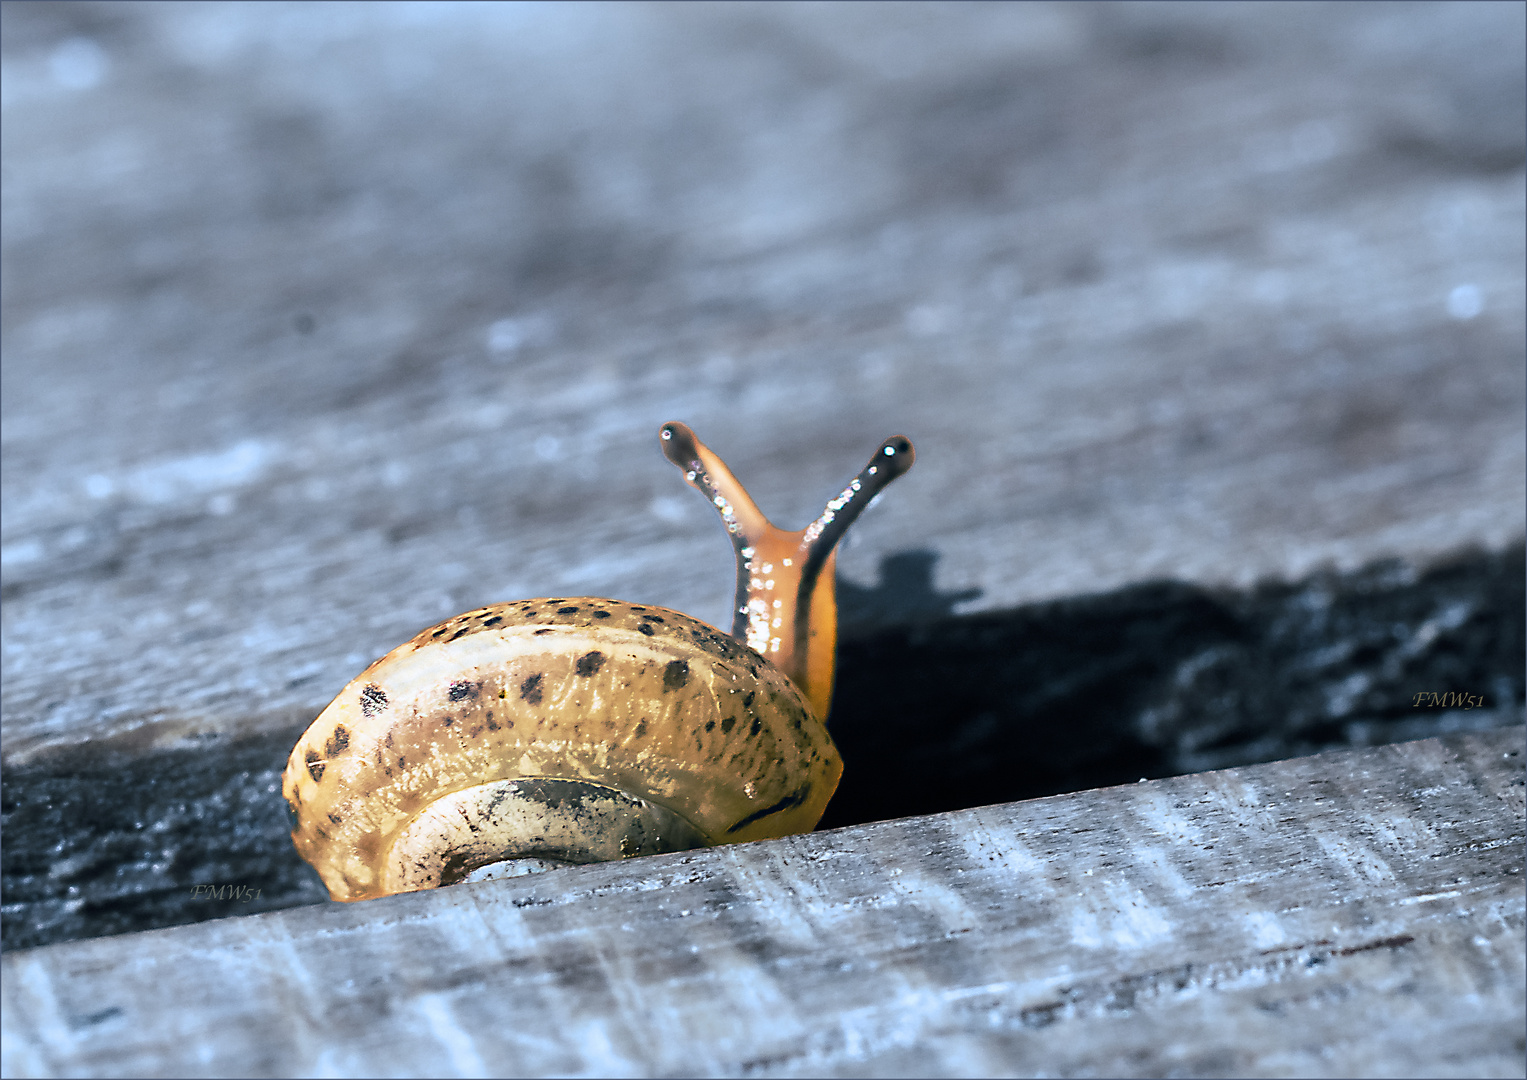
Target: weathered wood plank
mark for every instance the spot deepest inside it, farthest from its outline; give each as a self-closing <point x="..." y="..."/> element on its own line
<point x="323" y="325"/>
<point x="1349" y="914"/>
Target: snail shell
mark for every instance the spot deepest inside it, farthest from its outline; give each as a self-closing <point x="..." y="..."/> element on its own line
<point x="579" y="729"/>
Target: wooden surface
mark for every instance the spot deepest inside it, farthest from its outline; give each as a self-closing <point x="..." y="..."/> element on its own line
<point x="1350" y="914"/>
<point x="323" y="323"/>
<point x="320" y="323"/>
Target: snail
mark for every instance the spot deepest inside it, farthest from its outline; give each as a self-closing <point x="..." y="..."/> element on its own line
<point x="541" y="733"/>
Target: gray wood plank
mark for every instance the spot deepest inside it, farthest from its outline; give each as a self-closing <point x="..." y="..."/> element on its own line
<point x="321" y="326"/>
<point x="1348" y="914"/>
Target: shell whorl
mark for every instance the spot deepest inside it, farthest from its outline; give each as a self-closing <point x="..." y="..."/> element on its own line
<point x="621" y="698"/>
<point x="552" y="822"/>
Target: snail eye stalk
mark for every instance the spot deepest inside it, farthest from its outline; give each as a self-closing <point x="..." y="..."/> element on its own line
<point x="785" y="604"/>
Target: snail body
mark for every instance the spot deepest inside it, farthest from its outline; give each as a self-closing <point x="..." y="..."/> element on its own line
<point x="554" y="731"/>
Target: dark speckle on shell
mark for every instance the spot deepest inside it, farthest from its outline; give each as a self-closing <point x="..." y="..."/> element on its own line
<point x="338" y="743"/>
<point x="675" y="675"/>
<point x="373" y="699"/>
<point x="551" y="616"/>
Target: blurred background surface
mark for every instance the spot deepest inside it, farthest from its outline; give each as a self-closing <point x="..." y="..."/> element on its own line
<point x="324" y="322"/>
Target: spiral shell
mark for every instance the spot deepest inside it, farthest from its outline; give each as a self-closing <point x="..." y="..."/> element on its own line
<point x="636" y="699"/>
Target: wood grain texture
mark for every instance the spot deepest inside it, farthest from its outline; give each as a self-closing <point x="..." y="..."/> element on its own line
<point x="324" y="323"/>
<point x="1348" y="914"/>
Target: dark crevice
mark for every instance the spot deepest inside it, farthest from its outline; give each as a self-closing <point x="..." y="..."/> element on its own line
<point x="934" y="711"/>
<point x="1160" y="679"/>
<point x="105" y="843"/>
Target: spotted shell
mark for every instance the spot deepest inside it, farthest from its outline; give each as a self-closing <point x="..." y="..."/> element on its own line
<point x="624" y="697"/>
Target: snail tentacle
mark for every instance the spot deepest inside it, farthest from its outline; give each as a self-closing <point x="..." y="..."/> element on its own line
<point x="707" y="472"/>
<point x="820" y="538"/>
<point x="745" y="523"/>
<point x="786" y="607"/>
<point x="817" y="604"/>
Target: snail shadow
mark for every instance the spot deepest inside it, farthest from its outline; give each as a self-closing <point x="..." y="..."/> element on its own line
<point x="935" y="711"/>
<point x="904" y="594"/>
